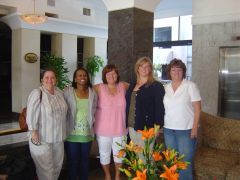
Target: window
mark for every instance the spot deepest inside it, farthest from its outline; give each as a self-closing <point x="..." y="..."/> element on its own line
<point x="162" y="34"/>
<point x="80" y="52"/>
<point x="45" y="45"/>
<point x="172" y="39"/>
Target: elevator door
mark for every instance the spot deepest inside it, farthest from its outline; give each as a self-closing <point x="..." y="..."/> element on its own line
<point x="229" y="84"/>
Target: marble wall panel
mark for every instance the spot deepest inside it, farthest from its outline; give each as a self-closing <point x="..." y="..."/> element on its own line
<point x="207" y="39"/>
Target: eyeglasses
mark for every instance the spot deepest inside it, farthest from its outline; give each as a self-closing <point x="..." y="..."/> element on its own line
<point x="37" y="143"/>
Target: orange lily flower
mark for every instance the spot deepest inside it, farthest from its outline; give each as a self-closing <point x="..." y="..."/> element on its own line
<point x="147" y="134"/>
<point x="129" y="146"/>
<point x="182" y="165"/>
<point x="141" y="175"/>
<point x="137" y="149"/>
<point x="156" y="156"/>
<point x="132" y="147"/>
<point x="170" y="173"/>
<point x="166" y="154"/>
<point x="170" y="154"/>
<point x="121" y="154"/>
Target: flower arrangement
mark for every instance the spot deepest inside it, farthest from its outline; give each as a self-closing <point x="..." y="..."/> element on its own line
<point x="158" y="163"/>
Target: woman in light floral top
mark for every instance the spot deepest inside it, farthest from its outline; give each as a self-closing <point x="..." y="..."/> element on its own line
<point x="81" y="100"/>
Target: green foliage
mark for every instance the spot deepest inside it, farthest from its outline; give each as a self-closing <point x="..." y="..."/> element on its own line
<point x="93" y="65"/>
<point x="59" y="64"/>
<point x="157" y="67"/>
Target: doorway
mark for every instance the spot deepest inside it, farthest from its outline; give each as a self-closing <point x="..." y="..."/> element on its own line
<point x="5" y="68"/>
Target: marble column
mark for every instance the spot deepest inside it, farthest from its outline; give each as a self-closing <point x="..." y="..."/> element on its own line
<point x="130" y="36"/>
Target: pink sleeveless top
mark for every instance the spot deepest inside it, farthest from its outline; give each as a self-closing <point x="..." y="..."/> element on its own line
<point x="110" y="117"/>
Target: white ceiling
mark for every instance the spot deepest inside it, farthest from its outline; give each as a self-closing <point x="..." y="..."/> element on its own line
<point x="171" y="8"/>
<point x="166" y="8"/>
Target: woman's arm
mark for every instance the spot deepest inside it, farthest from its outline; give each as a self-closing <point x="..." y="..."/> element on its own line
<point x="197" y="110"/>
<point x="33" y="113"/>
<point x="96" y="88"/>
<point x="158" y="104"/>
<point x="95" y="99"/>
<point x="126" y="85"/>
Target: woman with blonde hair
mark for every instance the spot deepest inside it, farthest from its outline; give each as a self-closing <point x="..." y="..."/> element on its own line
<point x="144" y="100"/>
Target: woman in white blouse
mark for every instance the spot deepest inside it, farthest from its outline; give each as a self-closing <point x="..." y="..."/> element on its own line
<point x="46" y="119"/>
<point x="182" y="104"/>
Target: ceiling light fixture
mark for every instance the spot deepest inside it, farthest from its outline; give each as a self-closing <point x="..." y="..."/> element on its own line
<point x="34" y="18"/>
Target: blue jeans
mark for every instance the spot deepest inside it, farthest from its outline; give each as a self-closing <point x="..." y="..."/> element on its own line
<point x="78" y="159"/>
<point x="180" y="141"/>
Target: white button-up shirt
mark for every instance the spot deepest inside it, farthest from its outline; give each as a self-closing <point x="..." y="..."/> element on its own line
<point x="179" y="112"/>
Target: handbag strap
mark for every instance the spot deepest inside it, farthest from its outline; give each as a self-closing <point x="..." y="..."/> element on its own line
<point x="40" y="95"/>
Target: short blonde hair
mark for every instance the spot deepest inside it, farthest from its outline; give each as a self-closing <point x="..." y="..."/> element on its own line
<point x="140" y="62"/>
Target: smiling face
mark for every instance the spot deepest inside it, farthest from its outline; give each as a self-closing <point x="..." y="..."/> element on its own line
<point x="111" y="77"/>
<point x="49" y="80"/>
<point x="144" y="70"/>
<point x="81" y="78"/>
<point x="176" y="73"/>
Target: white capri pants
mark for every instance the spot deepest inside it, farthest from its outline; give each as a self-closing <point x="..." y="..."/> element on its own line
<point x="108" y="144"/>
<point x="48" y="159"/>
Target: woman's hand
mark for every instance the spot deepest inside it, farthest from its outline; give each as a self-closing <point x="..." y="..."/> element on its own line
<point x="35" y="136"/>
<point x="194" y="132"/>
<point x="197" y="110"/>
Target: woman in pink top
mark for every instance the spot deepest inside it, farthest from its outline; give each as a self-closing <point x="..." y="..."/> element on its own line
<point x="110" y="118"/>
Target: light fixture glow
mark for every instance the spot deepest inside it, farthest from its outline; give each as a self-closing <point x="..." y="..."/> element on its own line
<point x="34" y="18"/>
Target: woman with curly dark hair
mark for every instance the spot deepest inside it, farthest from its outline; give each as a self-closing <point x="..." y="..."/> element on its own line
<point x="182" y="103"/>
<point x="81" y="100"/>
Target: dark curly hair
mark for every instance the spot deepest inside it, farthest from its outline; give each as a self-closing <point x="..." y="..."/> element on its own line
<point x="176" y="63"/>
<point x="74" y="84"/>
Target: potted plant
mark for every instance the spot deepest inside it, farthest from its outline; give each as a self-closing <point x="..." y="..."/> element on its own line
<point x="93" y="65"/>
<point x="59" y="64"/>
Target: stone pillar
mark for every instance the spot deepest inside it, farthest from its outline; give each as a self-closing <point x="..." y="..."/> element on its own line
<point x="130" y="36"/>
<point x="130" y="33"/>
<point x="25" y="76"/>
<point x="65" y="45"/>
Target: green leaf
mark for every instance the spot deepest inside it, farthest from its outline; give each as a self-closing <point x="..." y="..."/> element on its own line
<point x="57" y="63"/>
<point x="93" y="65"/>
